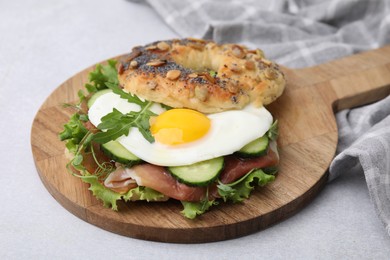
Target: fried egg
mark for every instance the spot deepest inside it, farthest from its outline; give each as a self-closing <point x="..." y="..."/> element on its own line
<point x="185" y="136"/>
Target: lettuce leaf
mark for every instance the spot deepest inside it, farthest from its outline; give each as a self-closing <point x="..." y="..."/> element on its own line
<point x="241" y="189"/>
<point x="235" y="192"/>
<point x="144" y="193"/>
<point x="193" y="209"/>
<point x="74" y="131"/>
<point x="108" y="196"/>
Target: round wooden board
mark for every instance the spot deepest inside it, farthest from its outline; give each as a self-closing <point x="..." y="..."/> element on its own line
<point x="308" y="138"/>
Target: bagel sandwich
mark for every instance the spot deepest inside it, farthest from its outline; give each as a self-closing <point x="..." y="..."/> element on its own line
<point x="180" y="119"/>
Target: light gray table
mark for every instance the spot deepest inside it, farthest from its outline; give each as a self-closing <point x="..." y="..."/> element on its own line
<point x="42" y="43"/>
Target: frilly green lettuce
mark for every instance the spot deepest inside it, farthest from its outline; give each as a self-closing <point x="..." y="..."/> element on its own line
<point x="110" y="197"/>
<point x="193" y="209"/>
<point x="241" y="189"/>
<point x="234" y="192"/>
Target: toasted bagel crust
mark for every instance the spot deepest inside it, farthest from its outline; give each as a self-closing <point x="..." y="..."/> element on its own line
<point x="201" y="75"/>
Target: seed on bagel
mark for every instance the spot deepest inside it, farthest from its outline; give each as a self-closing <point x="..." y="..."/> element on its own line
<point x="163" y="46"/>
<point x="208" y="77"/>
<point x="192" y="75"/>
<point x="151" y="47"/>
<point x="233" y="88"/>
<point x="260" y="53"/>
<point x="196" y="46"/>
<point x="173" y="74"/>
<point x="270" y="74"/>
<point x="156" y="63"/>
<point x="266" y="62"/>
<point x="134" y="54"/>
<point x="238" y="51"/>
<point x="201" y="93"/>
<point x="234" y="67"/>
<point x="250" y="65"/>
<point x="196" y="40"/>
<point x="152" y="85"/>
<point x="133" y="64"/>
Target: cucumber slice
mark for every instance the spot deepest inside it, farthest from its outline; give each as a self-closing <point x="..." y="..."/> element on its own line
<point x="198" y="174"/>
<point x="93" y="98"/>
<point x="119" y="153"/>
<point x="257" y="147"/>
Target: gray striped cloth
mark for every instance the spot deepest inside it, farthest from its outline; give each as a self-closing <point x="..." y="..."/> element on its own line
<point x="300" y="33"/>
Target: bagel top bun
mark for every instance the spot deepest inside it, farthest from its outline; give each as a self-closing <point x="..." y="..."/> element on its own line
<point x="201" y="75"/>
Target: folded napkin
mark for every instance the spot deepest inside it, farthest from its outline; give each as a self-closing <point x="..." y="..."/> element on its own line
<point x="300" y="33"/>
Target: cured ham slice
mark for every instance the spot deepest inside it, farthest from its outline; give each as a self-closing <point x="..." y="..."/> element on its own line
<point x="158" y="178"/>
<point x="154" y="177"/>
<point x="120" y="180"/>
<point x="235" y="167"/>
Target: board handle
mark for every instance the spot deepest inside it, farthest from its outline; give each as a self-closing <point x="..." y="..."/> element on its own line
<point x="353" y="81"/>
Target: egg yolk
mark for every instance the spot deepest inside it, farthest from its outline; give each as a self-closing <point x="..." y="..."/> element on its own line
<point x="179" y="125"/>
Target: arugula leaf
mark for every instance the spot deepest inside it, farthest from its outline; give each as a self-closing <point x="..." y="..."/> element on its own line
<point x="118" y="124"/>
<point x="101" y="75"/>
<point x="144" y="193"/>
<point x="110" y="120"/>
<point x="193" y="209"/>
<point x="108" y="196"/>
<point x="166" y="107"/>
<point x="241" y="189"/>
<point x="273" y="131"/>
<point x="78" y="138"/>
<point x="130" y="97"/>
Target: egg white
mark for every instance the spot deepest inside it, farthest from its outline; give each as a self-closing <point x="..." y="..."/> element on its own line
<point x="229" y="132"/>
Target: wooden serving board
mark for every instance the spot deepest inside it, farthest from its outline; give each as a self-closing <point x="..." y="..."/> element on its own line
<point x="308" y="139"/>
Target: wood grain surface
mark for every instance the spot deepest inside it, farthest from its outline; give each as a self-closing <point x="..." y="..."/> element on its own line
<point x="308" y="139"/>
